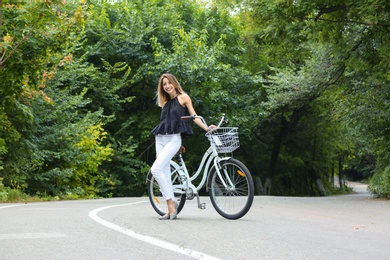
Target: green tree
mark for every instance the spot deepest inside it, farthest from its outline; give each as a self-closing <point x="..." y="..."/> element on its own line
<point x="53" y="145"/>
<point x="201" y="54"/>
<point x="284" y="33"/>
<point x="19" y="30"/>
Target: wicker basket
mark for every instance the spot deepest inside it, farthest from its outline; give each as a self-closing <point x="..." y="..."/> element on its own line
<point x="225" y="139"/>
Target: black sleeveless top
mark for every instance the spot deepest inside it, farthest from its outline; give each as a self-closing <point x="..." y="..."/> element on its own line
<point x="170" y="120"/>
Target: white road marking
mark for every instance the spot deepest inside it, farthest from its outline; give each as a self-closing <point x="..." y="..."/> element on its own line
<point x="11" y="206"/>
<point x="148" y="239"/>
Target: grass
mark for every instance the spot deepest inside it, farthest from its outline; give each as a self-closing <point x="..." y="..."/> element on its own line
<point x="9" y="195"/>
<point x="12" y="195"/>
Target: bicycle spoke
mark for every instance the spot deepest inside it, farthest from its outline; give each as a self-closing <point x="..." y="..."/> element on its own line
<point x="156" y="198"/>
<point x="233" y="200"/>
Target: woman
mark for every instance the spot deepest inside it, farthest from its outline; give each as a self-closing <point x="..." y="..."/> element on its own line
<point x="175" y="103"/>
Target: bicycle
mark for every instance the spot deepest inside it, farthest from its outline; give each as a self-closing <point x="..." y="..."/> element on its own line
<point x="228" y="181"/>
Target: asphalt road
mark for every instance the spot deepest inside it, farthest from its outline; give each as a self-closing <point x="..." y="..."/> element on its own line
<point x="338" y="227"/>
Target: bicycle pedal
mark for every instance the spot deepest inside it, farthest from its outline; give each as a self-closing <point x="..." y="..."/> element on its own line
<point x="202" y="206"/>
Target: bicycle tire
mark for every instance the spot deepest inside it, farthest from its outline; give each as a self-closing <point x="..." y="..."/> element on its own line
<point x="158" y="202"/>
<point x="236" y="200"/>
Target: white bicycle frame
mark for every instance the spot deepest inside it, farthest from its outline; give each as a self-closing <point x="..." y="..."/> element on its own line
<point x="210" y="157"/>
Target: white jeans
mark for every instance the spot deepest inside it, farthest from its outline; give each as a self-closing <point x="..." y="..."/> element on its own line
<point x="166" y="147"/>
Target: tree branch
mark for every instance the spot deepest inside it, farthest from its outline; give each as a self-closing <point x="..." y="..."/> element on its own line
<point x="340" y="21"/>
<point x="326" y="10"/>
<point x="2" y="61"/>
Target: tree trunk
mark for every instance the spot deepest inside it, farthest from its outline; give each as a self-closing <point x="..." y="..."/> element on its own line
<point x="284" y="128"/>
<point x="277" y="144"/>
<point x="317" y="180"/>
<point x="320" y="187"/>
<point x="274" y="155"/>
<point x="267" y="186"/>
<point x="314" y="174"/>
<point x="332" y="176"/>
<point x="259" y="189"/>
<point x="341" y="175"/>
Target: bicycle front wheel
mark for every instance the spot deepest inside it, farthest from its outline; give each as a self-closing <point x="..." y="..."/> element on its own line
<point x="158" y="202"/>
<point x="231" y="192"/>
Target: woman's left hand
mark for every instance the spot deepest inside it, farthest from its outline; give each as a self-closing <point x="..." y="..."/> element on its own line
<point x="211" y="127"/>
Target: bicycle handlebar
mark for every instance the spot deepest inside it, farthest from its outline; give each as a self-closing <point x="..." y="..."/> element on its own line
<point x="193" y="117"/>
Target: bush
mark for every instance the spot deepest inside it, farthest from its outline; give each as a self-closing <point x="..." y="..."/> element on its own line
<point x="12" y="195"/>
<point x="379" y="184"/>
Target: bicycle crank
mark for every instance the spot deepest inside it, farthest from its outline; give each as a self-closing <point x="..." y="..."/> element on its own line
<point x="190" y="194"/>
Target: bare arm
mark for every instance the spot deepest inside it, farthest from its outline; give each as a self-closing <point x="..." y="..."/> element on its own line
<point x="186" y="101"/>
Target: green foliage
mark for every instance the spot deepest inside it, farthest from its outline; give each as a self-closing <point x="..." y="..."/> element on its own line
<point x="306" y="83"/>
<point x="16" y="194"/>
<point x="57" y="147"/>
<point x="12" y="195"/>
<point x="380" y="183"/>
<point x="361" y="167"/>
<point x="176" y="40"/>
<point x="127" y="171"/>
<point x="297" y="126"/>
<point x="284" y="35"/>
<point x="60" y="149"/>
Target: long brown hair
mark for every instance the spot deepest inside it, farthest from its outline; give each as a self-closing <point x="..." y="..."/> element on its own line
<point x="162" y="96"/>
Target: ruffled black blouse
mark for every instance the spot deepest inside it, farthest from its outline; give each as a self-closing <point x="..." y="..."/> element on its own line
<point x="170" y="120"/>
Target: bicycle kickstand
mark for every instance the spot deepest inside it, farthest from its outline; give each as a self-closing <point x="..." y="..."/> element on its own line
<point x="200" y="205"/>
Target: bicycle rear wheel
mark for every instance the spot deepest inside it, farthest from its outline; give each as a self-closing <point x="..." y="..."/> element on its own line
<point x="158" y="202"/>
<point x="235" y="200"/>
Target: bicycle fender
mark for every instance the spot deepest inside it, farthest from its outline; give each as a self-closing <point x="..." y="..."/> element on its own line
<point x="211" y="169"/>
